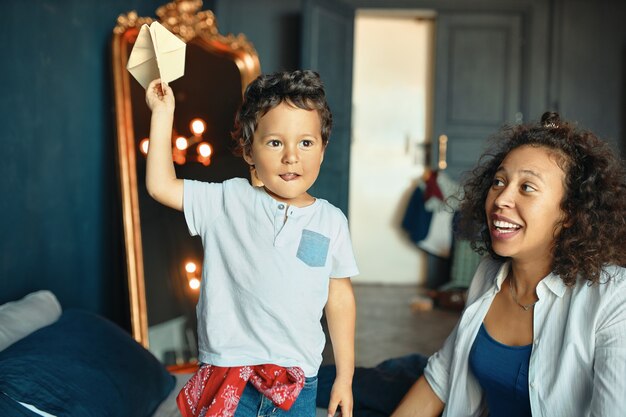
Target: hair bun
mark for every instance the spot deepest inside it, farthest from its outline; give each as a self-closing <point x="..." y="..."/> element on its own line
<point x="550" y="119"/>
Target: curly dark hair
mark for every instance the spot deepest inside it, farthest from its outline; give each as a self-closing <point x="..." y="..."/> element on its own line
<point x="301" y="88"/>
<point x="594" y="201"/>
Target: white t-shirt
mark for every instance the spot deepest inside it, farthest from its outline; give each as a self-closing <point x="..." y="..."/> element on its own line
<point x="264" y="280"/>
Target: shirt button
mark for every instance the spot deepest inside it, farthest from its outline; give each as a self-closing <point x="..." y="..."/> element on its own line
<point x="536" y="342"/>
<point x="532" y="385"/>
<point x="281" y="206"/>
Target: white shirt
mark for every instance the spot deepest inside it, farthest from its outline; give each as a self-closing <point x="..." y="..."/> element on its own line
<point x="578" y="361"/>
<point x="265" y="274"/>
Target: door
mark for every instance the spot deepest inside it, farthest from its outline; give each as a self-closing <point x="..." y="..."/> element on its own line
<point x="327" y="48"/>
<point x="478" y="84"/>
<point x="391" y="99"/>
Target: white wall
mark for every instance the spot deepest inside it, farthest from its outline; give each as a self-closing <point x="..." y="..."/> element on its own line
<point x="391" y="84"/>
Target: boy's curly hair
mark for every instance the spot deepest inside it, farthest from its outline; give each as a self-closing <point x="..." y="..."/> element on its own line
<point x="301" y="89"/>
<point x="593" y="230"/>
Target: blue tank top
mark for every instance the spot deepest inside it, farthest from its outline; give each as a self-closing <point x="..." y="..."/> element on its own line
<point x="502" y="372"/>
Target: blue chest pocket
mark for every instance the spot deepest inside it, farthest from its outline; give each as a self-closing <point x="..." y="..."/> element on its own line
<point x="313" y="248"/>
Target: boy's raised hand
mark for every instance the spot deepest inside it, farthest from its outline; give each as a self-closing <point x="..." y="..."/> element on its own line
<point x="160" y="97"/>
<point x="161" y="180"/>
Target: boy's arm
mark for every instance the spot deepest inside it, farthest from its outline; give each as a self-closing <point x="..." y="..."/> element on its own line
<point x="341" y="317"/>
<point x="161" y="180"/>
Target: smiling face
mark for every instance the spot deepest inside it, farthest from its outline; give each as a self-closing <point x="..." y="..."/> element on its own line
<point x="523" y="205"/>
<point x="287" y="152"/>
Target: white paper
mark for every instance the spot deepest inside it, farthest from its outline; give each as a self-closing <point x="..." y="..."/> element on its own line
<point x="157" y="53"/>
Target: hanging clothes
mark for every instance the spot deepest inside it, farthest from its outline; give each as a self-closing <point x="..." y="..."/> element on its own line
<point x="428" y="223"/>
<point x="428" y="216"/>
<point x="416" y="219"/>
<point x="440" y="191"/>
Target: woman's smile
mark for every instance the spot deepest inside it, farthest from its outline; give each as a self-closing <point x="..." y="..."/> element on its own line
<point x="503" y="228"/>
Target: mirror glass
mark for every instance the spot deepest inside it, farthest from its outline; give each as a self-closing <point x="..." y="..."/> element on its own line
<point x="163" y="260"/>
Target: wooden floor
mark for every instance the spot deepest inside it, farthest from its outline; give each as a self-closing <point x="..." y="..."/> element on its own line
<point x="387" y="326"/>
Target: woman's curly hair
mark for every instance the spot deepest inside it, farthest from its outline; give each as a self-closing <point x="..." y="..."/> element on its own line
<point x="593" y="231"/>
<point x="300" y="88"/>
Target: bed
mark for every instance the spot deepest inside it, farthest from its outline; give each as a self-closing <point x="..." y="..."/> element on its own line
<point x="73" y="363"/>
<point x="56" y="362"/>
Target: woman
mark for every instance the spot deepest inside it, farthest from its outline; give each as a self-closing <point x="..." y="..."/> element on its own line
<point x="544" y="328"/>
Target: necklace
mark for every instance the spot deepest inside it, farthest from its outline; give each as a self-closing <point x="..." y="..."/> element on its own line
<point x="525" y="307"/>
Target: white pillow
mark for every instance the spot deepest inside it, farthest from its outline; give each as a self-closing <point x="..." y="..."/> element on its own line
<point x="20" y="318"/>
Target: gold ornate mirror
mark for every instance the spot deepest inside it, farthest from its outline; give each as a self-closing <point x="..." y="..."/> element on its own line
<point x="159" y="250"/>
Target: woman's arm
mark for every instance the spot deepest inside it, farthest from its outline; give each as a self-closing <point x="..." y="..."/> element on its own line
<point x="609" y="364"/>
<point x="428" y="398"/>
<point x="161" y="180"/>
<point x="341" y="317"/>
<point x="420" y="401"/>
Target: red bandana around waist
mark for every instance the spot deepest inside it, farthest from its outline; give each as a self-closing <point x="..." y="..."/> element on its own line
<point x="214" y="391"/>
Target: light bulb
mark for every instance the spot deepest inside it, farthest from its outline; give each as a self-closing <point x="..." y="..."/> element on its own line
<point x="194" y="283"/>
<point x="144" y="145"/>
<point x="197" y="126"/>
<point x="190" y="267"/>
<point x="204" y="149"/>
<point x="181" y="143"/>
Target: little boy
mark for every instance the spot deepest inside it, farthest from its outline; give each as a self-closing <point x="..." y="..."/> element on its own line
<point x="269" y="251"/>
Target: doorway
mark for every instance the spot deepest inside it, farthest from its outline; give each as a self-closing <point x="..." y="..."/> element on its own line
<point x="391" y="122"/>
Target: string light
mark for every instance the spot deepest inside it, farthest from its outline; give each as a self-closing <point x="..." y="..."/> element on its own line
<point x="194" y="283"/>
<point x="204" y="149"/>
<point x="191" y="267"/>
<point x="193" y="275"/>
<point x="204" y="153"/>
<point x="143" y="145"/>
<point x="197" y="126"/>
<point x="182" y="145"/>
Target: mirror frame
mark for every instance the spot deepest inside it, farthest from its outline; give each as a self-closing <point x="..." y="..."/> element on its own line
<point x="185" y="19"/>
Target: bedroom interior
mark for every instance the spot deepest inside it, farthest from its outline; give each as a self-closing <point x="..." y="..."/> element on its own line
<point x="70" y="227"/>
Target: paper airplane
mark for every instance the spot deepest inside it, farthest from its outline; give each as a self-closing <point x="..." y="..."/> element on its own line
<point x="157" y="54"/>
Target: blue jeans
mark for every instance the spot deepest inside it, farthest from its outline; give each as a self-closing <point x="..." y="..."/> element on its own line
<point x="377" y="391"/>
<point x="254" y="404"/>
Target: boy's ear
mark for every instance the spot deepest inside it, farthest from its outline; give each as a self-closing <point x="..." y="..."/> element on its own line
<point x="323" y="152"/>
<point x="246" y="152"/>
<point x="247" y="157"/>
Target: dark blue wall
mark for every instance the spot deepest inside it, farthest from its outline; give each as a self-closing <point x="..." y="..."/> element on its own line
<point x="273" y="26"/>
<point x="60" y="223"/>
<point x="589" y="63"/>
